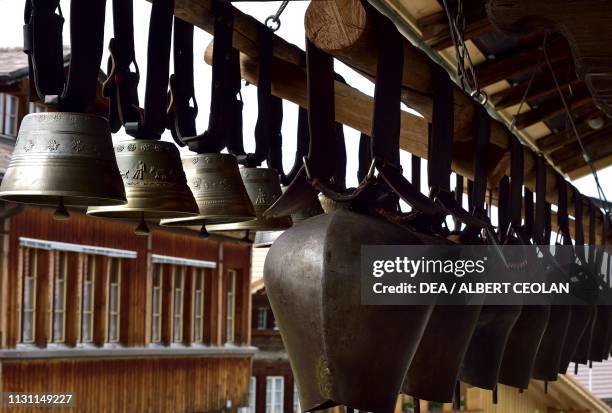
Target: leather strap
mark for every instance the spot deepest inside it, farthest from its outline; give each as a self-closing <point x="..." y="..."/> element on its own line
<point x="599" y="252"/>
<point x="483" y="134"/>
<point x="158" y="57"/>
<point x="528" y="227"/>
<point x="225" y="116"/>
<point x="301" y="150"/>
<point x="121" y="85"/>
<point x="458" y="198"/>
<point x="579" y="228"/>
<point x="592" y="238"/>
<point x="541" y="204"/>
<point x="547" y="224"/>
<point x="415" y="177"/>
<point x="503" y="215"/>
<point x="562" y="217"/>
<point x="365" y="156"/>
<point x="43" y="44"/>
<point x="516" y="181"/>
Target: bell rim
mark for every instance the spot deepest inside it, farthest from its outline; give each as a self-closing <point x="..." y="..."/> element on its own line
<point x="272" y="224"/>
<point x="204" y="219"/>
<point x="69" y="198"/>
<point x="134" y="213"/>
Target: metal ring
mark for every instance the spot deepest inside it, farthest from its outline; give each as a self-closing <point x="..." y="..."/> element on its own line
<point x="480" y="96"/>
<point x="273" y="23"/>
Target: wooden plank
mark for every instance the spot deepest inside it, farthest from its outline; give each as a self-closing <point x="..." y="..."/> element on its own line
<point x="492" y="71"/>
<point x="435" y="31"/>
<point x="580" y="98"/>
<point x="74" y="288"/>
<point x="100" y="300"/>
<point x="541" y="85"/>
<point x="554" y="141"/>
<point x="573" y="148"/>
<point x="44" y="290"/>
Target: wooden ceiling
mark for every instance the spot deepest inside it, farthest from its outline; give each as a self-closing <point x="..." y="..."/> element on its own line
<point x="510" y="65"/>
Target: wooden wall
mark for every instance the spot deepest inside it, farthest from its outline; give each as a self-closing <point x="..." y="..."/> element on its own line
<point x="132" y="386"/>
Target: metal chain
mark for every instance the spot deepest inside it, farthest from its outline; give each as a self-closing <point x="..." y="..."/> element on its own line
<point x="466" y="74"/>
<point x="273" y="21"/>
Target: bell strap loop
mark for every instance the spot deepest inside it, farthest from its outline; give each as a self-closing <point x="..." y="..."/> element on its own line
<point x="539" y="230"/>
<point x="599" y="252"/>
<point x="562" y="217"/>
<point x="301" y="149"/>
<point x="42" y="42"/>
<point x="528" y="227"/>
<point x="547" y="224"/>
<point x="483" y="135"/>
<point x="516" y="181"/>
<point x="592" y="237"/>
<point x="579" y="228"/>
<point x="503" y="213"/>
<point x="121" y="85"/>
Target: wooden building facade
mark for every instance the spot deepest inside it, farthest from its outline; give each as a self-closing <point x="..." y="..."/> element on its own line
<point x="126" y="323"/>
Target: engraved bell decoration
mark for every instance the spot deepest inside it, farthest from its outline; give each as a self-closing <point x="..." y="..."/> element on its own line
<point x="63" y="159"/>
<point x="218" y="189"/>
<point x="263" y="187"/>
<point x="154" y="181"/>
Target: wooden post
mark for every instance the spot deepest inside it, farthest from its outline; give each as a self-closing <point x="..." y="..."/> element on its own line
<point x="100" y="300"/>
<point x="74" y="299"/>
<point x="44" y="291"/>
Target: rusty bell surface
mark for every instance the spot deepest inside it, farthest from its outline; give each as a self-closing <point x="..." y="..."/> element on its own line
<point x="63" y="158"/>
<point x="263" y="187"/>
<point x="218" y="189"/>
<point x="154" y="181"/>
<point x="341" y="352"/>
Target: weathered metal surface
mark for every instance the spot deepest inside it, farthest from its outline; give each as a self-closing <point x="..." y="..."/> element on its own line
<point x="341" y="353"/>
<point x="63" y="157"/>
<point x="263" y="187"/>
<point x="154" y="181"/>
<point x="218" y="189"/>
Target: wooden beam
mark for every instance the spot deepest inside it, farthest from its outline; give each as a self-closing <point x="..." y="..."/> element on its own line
<point x="541" y="85"/>
<point x="348" y="22"/>
<point x="585" y="24"/>
<point x="573" y="148"/>
<point x="585" y="169"/>
<point x="435" y="31"/>
<point x="596" y="150"/>
<point x="492" y="71"/>
<point x="353" y="108"/>
<point x="547" y="110"/>
<point x="554" y="141"/>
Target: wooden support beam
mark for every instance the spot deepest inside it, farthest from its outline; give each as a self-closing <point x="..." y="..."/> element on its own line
<point x="585" y="24"/>
<point x="541" y="85"/>
<point x="492" y="71"/>
<point x="573" y="148"/>
<point x="554" y="141"/>
<point x="580" y="97"/>
<point x="596" y="150"/>
<point x="435" y="31"/>
<point x="348" y="22"/>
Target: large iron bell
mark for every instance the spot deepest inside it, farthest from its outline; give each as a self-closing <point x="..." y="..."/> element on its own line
<point x="154" y="181"/>
<point x="263" y="187"/>
<point x="548" y="359"/>
<point x="218" y="189"/>
<point x="341" y="352"/>
<point x="580" y="320"/>
<point x="63" y="158"/>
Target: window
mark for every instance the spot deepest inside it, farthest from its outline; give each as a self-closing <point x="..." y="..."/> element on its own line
<point x="89" y="282"/>
<point x="114" y="299"/>
<point x="262" y="318"/>
<point x="231" y="305"/>
<point x="57" y="307"/>
<point x="252" y="394"/>
<point x="9" y="107"/>
<point x="156" y="304"/>
<point x="179" y="291"/>
<point x="34" y="107"/>
<point x="29" y="295"/>
<point x="198" y="304"/>
<point x="274" y="394"/>
<point x="296" y="399"/>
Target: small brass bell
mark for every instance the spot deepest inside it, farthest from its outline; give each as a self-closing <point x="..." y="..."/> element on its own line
<point x="63" y="159"/>
<point x="219" y="191"/>
<point x="263" y="187"/>
<point x="155" y="183"/>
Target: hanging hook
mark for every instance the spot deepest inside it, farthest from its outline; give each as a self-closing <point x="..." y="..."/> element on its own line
<point x="273" y="21"/>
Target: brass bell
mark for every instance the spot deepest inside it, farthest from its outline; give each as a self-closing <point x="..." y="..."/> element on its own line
<point x="218" y="189"/>
<point x="154" y="181"/>
<point x="263" y="187"/>
<point x="63" y="159"/>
